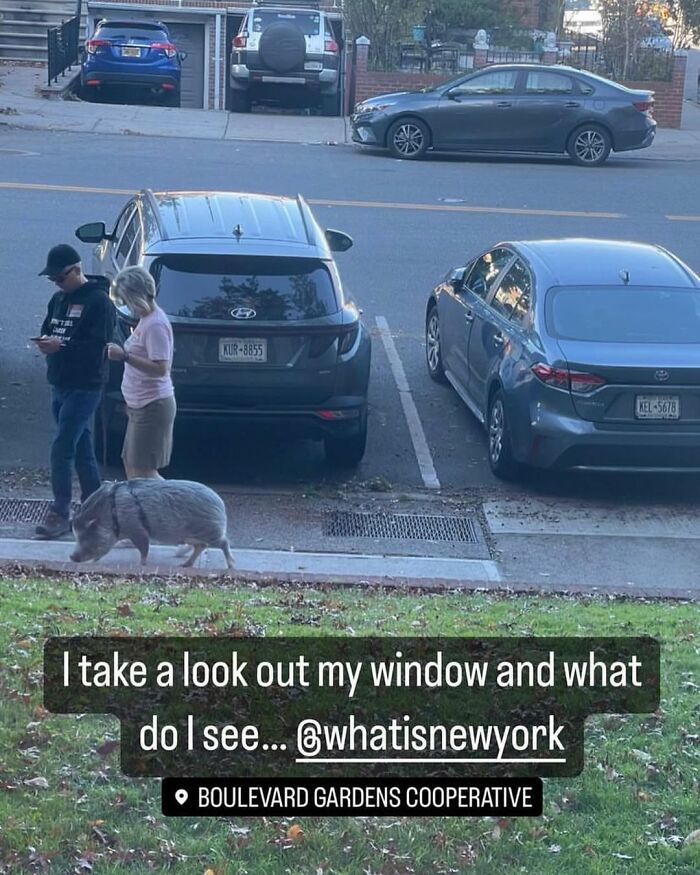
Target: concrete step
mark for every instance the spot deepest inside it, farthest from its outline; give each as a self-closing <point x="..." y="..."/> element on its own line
<point x="24" y="25"/>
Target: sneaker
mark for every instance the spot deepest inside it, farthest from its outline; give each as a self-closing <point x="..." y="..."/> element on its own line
<point x="53" y="526"/>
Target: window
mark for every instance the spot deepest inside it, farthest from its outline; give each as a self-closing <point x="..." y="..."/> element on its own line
<point x="624" y="314"/>
<point x="127" y="239"/>
<point x="500" y="82"/>
<point x="124" y="217"/>
<point x="543" y="82"/>
<point x="133" y="256"/>
<point x="486" y="270"/>
<point x="277" y="289"/>
<point x="309" y="23"/>
<point x="512" y="297"/>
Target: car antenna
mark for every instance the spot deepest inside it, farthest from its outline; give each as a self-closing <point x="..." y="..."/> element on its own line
<point x="625" y="276"/>
<point x="237" y="232"/>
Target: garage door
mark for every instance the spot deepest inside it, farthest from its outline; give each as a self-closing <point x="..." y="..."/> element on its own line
<point x="190" y="38"/>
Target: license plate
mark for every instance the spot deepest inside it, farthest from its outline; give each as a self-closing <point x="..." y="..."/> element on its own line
<point x="313" y="65"/>
<point x="657" y="407"/>
<point x="242" y="349"/>
<point x="131" y="52"/>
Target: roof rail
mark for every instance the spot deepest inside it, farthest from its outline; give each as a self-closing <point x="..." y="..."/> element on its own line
<point x="291" y="4"/>
<point x="153" y="204"/>
<point x="307" y="219"/>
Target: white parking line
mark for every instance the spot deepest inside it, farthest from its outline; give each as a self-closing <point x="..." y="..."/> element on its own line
<point x="415" y="428"/>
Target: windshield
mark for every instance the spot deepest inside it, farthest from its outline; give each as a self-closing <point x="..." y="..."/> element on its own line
<point x="309" y="23"/>
<point x="626" y="314"/>
<point x="275" y="289"/>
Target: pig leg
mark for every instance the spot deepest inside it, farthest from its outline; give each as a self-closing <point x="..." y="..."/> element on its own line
<point x="140" y="540"/>
<point x="223" y="545"/>
<point x="196" y="552"/>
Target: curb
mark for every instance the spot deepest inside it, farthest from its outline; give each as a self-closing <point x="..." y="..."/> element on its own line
<point x="178" y="574"/>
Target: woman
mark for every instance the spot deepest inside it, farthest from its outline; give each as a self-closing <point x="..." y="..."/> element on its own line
<point x="146" y="386"/>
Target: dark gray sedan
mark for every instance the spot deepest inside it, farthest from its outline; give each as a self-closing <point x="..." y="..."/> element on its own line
<point x="574" y="354"/>
<point x="529" y="108"/>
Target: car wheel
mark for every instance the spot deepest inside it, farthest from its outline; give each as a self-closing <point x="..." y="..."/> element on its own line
<point x="409" y="139"/>
<point x="433" y="350"/>
<point x="107" y="441"/>
<point x="346" y="452"/>
<point x="329" y="104"/>
<point x="500" y="451"/>
<point x="240" y="101"/>
<point x="172" y="98"/>
<point x="589" y="145"/>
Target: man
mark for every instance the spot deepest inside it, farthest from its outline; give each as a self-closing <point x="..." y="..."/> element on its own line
<point x="78" y="326"/>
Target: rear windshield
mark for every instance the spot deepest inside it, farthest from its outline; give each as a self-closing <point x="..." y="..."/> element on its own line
<point x="309" y="23"/>
<point x="149" y="34"/>
<point x="624" y="314"/>
<point x="277" y="289"/>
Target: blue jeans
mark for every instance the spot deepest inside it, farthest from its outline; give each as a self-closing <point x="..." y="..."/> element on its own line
<point x="73" y="410"/>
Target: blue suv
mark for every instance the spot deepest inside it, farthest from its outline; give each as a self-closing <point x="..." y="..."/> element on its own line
<point x="133" y="53"/>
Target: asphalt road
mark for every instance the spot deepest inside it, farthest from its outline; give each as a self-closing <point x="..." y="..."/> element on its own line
<point x="410" y="222"/>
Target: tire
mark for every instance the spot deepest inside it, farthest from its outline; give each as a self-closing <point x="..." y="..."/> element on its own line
<point x="433" y="349"/>
<point x="347" y="452"/>
<point x="408" y="139"/>
<point x="500" y="450"/>
<point x="172" y="98"/>
<point x="107" y="441"/>
<point x="329" y="104"/>
<point x="240" y="101"/>
<point x="282" y="47"/>
<point x="589" y="146"/>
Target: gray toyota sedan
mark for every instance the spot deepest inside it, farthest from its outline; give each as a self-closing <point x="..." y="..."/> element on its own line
<point x="573" y="353"/>
<point x="527" y="108"/>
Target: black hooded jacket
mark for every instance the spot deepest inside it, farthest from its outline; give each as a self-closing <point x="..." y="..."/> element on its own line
<point x="84" y="320"/>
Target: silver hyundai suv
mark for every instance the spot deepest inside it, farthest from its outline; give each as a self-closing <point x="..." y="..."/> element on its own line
<point x="265" y="334"/>
<point x="286" y="53"/>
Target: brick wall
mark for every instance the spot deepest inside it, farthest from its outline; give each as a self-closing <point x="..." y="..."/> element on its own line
<point x="668" y="96"/>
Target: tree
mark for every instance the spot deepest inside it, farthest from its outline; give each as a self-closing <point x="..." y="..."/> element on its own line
<point x="384" y="23"/>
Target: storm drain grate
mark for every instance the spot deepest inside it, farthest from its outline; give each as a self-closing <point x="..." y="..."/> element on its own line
<point x="407" y="527"/>
<point x="23" y="510"/>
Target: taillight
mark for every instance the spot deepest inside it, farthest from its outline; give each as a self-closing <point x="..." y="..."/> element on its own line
<point x="331" y="46"/>
<point x="168" y="48"/>
<point x="644" y="105"/>
<point x="563" y="378"/>
<point x="93" y="45"/>
<point x="240" y="41"/>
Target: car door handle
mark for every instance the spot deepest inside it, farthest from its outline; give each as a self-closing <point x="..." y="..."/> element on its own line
<point x="503" y="104"/>
<point x="498" y="340"/>
<point x="572" y="104"/>
<point x="469" y="316"/>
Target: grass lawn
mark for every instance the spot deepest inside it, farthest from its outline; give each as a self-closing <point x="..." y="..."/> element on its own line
<point x="65" y="807"/>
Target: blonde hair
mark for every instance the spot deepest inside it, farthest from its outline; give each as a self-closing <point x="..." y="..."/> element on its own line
<point x="136" y="288"/>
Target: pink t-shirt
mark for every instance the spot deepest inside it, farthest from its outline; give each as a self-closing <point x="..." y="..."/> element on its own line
<point x="151" y="339"/>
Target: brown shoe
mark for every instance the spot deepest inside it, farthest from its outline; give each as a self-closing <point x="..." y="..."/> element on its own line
<point x="53" y="526"/>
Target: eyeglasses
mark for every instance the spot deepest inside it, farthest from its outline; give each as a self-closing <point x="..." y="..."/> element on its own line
<point x="61" y="277"/>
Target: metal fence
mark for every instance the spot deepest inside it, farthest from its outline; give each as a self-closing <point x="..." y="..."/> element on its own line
<point x="63" y="44"/>
<point x="613" y="61"/>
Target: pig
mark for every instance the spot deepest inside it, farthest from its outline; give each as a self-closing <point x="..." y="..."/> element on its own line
<point x="166" y="511"/>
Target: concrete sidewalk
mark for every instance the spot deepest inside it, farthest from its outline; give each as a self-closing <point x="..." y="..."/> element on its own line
<point x="25" y="103"/>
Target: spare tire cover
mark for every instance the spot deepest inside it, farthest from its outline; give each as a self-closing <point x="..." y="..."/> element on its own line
<point x="282" y="47"/>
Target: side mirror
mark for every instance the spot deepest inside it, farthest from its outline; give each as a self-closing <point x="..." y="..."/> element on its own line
<point x="93" y="232"/>
<point x="182" y="55"/>
<point x="339" y="241"/>
<point x="453" y="94"/>
<point x="456" y="278"/>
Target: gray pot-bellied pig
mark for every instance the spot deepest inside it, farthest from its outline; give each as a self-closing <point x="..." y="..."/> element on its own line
<point x="167" y="511"/>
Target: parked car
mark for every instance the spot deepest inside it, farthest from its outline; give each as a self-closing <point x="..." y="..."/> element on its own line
<point x="285" y="53"/>
<point x="264" y="331"/>
<point x="511" y="108"/>
<point x="573" y="353"/>
<point x="132" y="53"/>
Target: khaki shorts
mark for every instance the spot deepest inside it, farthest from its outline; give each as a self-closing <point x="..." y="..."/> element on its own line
<point x="148" y="443"/>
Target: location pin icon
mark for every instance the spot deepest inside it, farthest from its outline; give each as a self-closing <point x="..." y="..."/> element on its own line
<point x="181" y="796"/>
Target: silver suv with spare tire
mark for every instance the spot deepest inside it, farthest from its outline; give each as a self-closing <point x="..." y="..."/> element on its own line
<point x="286" y="53"/>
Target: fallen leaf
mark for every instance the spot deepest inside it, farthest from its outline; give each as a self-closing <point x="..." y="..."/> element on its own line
<point x="693" y="837"/>
<point x="39" y="783"/>
<point x="124" y="610"/>
<point x="40" y="712"/>
<point x="106" y="749"/>
<point x="622" y="856"/>
<point x="295" y="833"/>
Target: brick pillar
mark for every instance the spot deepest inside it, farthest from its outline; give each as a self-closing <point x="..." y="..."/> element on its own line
<point x="550" y="51"/>
<point x="675" y="94"/>
<point x="360" y="73"/>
